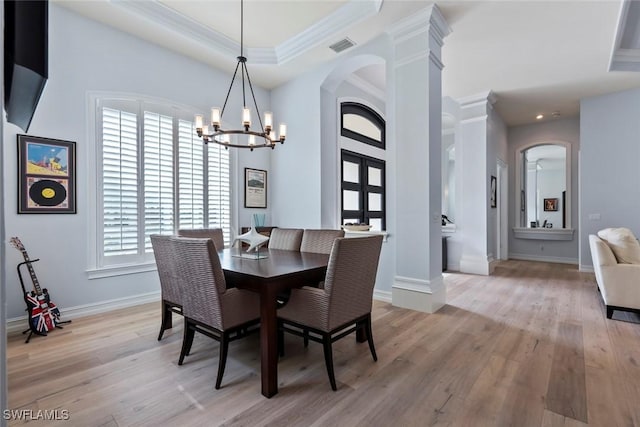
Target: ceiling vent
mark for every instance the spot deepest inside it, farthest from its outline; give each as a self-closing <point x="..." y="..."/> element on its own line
<point x="343" y="44"/>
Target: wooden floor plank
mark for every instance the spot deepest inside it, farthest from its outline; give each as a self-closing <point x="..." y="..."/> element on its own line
<point x="567" y="393"/>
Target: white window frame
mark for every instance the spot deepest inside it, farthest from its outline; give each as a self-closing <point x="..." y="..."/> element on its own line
<point x="97" y="267"/>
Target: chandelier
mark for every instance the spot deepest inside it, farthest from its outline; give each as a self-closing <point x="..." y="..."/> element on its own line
<point x="265" y="135"/>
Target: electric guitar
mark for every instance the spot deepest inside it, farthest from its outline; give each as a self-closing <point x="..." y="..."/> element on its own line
<point x="43" y="314"/>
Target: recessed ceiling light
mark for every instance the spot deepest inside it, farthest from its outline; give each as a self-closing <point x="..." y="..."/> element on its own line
<point x="539" y="116"/>
<point x="555" y="114"/>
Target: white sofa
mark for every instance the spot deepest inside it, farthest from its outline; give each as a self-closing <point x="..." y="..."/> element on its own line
<point x="619" y="283"/>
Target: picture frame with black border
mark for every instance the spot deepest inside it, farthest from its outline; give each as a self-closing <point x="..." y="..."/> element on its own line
<point x="46" y="175"/>
<point x="550" y="205"/>
<point x="255" y="188"/>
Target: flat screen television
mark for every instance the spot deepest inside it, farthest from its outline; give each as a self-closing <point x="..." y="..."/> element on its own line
<point x="26" y="61"/>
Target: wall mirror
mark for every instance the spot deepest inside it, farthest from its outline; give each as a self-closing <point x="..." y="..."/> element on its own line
<point x="544" y="186"/>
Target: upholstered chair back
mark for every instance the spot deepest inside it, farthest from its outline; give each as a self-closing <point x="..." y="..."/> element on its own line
<point x="285" y="238"/>
<point x="351" y="277"/>
<point x="203" y="280"/>
<point x="214" y="234"/>
<point x="166" y="261"/>
<point x="319" y="241"/>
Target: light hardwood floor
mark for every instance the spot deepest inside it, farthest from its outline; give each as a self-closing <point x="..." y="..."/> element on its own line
<point x="529" y="346"/>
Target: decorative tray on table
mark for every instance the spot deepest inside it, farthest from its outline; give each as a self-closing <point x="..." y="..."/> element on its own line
<point x="356" y="227"/>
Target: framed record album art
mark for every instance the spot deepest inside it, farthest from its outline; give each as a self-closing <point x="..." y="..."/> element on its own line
<point x="46" y="175"/>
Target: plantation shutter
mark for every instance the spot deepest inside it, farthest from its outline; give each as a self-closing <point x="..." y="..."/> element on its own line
<point x="219" y="190"/>
<point x="158" y="176"/>
<point x="191" y="178"/>
<point x="119" y="182"/>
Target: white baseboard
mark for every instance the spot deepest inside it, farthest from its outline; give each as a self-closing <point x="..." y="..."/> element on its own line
<point x="382" y="295"/>
<point x="586" y="268"/>
<point x="427" y="296"/>
<point x="475" y="265"/>
<point x="20" y="323"/>
<point x="558" y="260"/>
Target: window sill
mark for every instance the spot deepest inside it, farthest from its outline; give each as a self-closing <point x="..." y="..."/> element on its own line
<point x="384" y="234"/>
<point x="543" y="233"/>
<point x="120" y="270"/>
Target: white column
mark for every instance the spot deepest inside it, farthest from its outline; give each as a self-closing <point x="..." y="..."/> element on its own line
<point x="473" y="215"/>
<point x="417" y="115"/>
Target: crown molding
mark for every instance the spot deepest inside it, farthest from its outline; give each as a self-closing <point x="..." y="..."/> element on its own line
<point x="344" y="17"/>
<point x="626" y="58"/>
<point x="158" y="13"/>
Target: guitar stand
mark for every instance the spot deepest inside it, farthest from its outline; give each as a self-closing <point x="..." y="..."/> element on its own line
<point x="24" y="292"/>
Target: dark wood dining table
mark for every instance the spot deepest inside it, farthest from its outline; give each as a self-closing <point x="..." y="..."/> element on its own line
<point x="269" y="275"/>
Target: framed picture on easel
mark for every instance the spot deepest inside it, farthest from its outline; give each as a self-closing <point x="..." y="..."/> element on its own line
<point x="46" y="175"/>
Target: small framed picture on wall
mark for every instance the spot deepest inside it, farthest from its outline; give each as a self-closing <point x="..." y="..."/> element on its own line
<point x="255" y="188"/>
<point x="550" y="205"/>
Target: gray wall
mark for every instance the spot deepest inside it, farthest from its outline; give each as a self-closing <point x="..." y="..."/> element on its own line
<point x="86" y="56"/>
<point x="609" y="165"/>
<point x="566" y="130"/>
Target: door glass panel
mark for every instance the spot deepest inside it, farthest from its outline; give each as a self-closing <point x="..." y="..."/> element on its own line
<point x="350" y="200"/>
<point x="375" y="202"/>
<point x="375" y="176"/>
<point x="361" y="125"/>
<point x="350" y="172"/>
<point x="376" y="224"/>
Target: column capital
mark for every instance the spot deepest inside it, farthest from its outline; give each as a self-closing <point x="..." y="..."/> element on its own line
<point x="428" y="19"/>
<point x="477" y="106"/>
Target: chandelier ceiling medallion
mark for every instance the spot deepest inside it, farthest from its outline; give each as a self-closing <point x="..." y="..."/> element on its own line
<point x="265" y="135"/>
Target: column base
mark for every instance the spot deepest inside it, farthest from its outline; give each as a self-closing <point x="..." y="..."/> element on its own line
<point x="427" y="296"/>
<point x="483" y="266"/>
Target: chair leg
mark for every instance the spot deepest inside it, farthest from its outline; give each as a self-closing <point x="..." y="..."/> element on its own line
<point x="166" y="319"/>
<point x="224" y="347"/>
<point x="328" y="359"/>
<point x="609" y="312"/>
<point x="367" y="325"/>
<point x="187" y="340"/>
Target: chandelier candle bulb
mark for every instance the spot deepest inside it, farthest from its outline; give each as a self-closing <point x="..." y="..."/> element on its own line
<point x="215" y="117"/>
<point x="246" y="118"/>
<point x="252" y="140"/>
<point x="268" y="121"/>
<point x="283" y="131"/>
<point x="199" y="122"/>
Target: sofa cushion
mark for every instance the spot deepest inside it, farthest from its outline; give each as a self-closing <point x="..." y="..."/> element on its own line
<point x="623" y="243"/>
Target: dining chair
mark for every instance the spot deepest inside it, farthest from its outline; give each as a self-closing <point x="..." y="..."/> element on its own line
<point x="209" y="307"/>
<point x="169" y="285"/>
<point x="343" y="306"/>
<point x="286" y="238"/>
<point x="319" y="241"/>
<point x="214" y="234"/>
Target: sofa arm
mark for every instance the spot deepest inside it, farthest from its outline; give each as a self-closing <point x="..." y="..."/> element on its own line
<point x="621" y="285"/>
